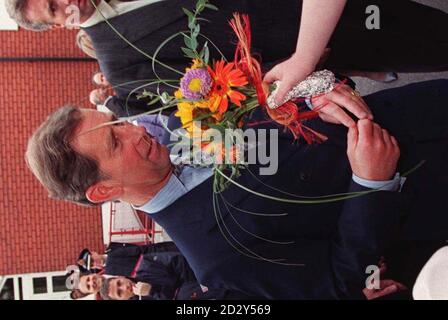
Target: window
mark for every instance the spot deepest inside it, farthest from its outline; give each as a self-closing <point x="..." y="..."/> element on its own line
<point x="7" y="292"/>
<point x="40" y="285"/>
<point x="59" y="284"/>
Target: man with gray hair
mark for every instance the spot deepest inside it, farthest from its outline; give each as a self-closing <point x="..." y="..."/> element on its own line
<point x="41" y="15"/>
<point x="240" y="241"/>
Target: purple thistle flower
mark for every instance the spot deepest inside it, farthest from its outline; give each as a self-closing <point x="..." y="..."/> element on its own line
<point x="196" y="84"/>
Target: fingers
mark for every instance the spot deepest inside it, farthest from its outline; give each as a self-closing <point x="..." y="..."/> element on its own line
<point x="401" y="287"/>
<point x="365" y="128"/>
<point x="386" y="291"/>
<point x="370" y="130"/>
<point x="350" y="102"/>
<point x="348" y="91"/>
<point x="377" y="133"/>
<point x="386" y="137"/>
<point x="390" y="141"/>
<point x="394" y="142"/>
<point x="271" y="76"/>
<point x="388" y="282"/>
<point x="285" y="87"/>
<point x="352" y="139"/>
<point x="340" y="115"/>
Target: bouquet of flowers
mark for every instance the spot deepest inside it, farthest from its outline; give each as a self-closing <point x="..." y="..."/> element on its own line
<point x="221" y="94"/>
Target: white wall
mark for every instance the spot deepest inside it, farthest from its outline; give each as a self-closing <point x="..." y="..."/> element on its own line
<point x="5" y="22"/>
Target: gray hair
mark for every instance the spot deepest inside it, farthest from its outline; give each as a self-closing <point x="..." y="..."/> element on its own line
<point x="105" y="288"/>
<point x="65" y="173"/>
<point x="16" y="10"/>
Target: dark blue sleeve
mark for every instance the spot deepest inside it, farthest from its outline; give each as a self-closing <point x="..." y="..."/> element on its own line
<point x="366" y="226"/>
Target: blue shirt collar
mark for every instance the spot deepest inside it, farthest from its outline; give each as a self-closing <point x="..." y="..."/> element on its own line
<point x="176" y="187"/>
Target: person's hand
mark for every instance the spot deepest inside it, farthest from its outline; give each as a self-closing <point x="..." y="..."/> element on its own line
<point x="330" y="107"/>
<point x="387" y="286"/>
<point x="290" y="72"/>
<point x="373" y="153"/>
<point x="141" y="289"/>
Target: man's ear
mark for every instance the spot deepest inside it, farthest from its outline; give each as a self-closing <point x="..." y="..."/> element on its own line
<point x="99" y="193"/>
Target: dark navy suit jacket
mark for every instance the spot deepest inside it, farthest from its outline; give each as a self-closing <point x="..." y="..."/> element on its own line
<point x="335" y="242"/>
<point x="122" y="258"/>
<point x="400" y="44"/>
<point x="171" y="278"/>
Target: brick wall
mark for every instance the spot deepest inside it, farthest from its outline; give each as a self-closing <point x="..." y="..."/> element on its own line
<point x="38" y="234"/>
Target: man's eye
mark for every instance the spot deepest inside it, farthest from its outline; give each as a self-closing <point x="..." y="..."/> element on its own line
<point x="52" y="7"/>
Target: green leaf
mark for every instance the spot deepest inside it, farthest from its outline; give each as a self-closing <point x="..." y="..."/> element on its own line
<point x="191" y="18"/>
<point x="206" y="54"/>
<point x="196" y="31"/>
<point x="188" y="13"/>
<point x="187" y="41"/>
<point x="212" y="7"/>
<point x="189" y="53"/>
<point x="194" y="44"/>
<point x="200" y="4"/>
<point x="202" y="19"/>
<point x="165" y="97"/>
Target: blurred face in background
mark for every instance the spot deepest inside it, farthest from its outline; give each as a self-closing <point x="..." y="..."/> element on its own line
<point x="90" y="284"/>
<point x="98" y="97"/>
<point x="98" y="260"/>
<point x="121" y="288"/>
<point x="100" y="80"/>
<point x="60" y="12"/>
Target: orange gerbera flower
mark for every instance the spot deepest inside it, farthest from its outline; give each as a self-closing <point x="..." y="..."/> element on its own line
<point x="225" y="77"/>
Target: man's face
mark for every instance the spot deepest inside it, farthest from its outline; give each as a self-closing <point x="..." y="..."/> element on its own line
<point x="100" y="79"/>
<point x="60" y="12"/>
<point x="97" y="260"/>
<point x="132" y="160"/>
<point x="98" y="96"/>
<point x="120" y="288"/>
<point x="90" y="284"/>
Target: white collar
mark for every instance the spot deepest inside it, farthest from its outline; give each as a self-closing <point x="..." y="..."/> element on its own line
<point x="103" y="9"/>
